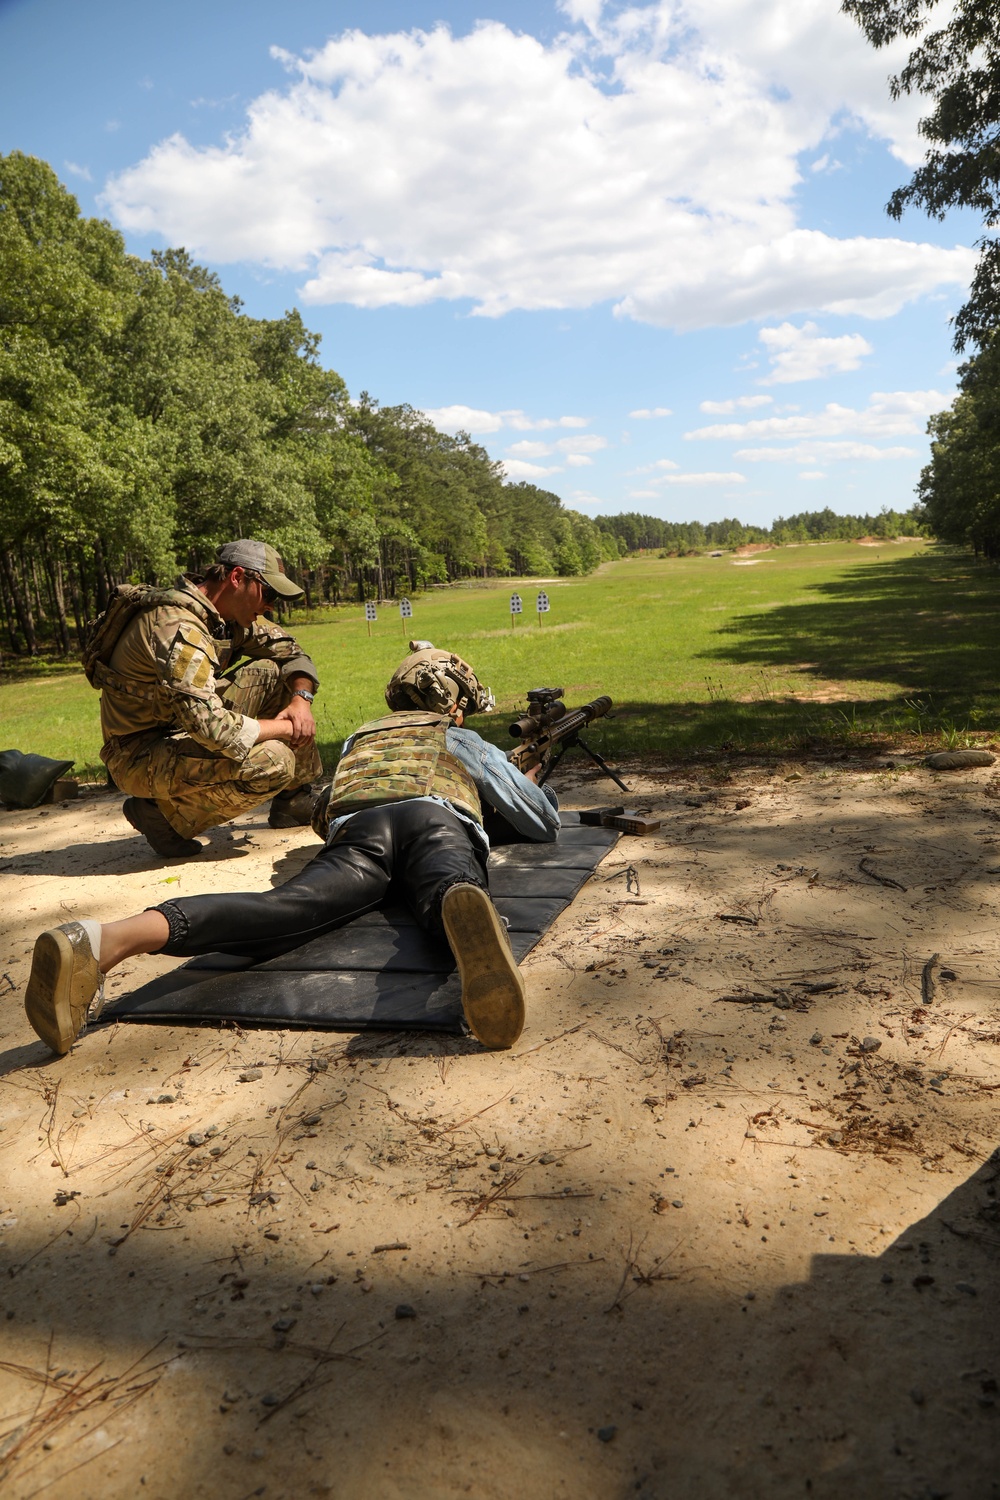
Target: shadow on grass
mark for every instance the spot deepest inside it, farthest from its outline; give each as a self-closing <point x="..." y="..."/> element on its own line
<point x="930" y="623"/>
<point x="777" y="726"/>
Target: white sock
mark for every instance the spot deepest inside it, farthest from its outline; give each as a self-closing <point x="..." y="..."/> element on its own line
<point x="93" y="931"/>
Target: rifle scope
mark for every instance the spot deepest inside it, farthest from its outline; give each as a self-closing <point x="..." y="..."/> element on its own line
<point x="531" y="726"/>
<point x="533" y="723"/>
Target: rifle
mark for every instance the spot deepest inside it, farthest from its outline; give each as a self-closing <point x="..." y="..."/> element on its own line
<point x="549" y="729"/>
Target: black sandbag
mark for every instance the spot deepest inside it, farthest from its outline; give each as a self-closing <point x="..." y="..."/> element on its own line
<point x="25" y="779"/>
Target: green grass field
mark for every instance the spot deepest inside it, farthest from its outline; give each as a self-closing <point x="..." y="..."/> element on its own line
<point x="831" y="642"/>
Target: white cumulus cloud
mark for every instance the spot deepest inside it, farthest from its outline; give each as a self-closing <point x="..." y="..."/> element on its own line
<point x="708" y="478"/>
<point x="464" y="418"/>
<point x="888" y="414"/>
<point x="577" y="447"/>
<point x="822" y="453"/>
<point x="650" y="159"/>
<point x="738" y="403"/>
<point x="804" y="354"/>
<point x="645" y="413"/>
<point x="530" y="449"/>
<point x="587" y="11"/>
<point x="473" y="419"/>
<point x="516" y="468"/>
<point x="661" y="463"/>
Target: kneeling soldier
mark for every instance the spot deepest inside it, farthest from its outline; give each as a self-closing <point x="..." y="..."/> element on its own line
<point x="405" y="808"/>
<point x="192" y="747"/>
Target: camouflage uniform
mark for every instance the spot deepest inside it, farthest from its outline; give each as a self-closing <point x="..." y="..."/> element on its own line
<point x="180" y="733"/>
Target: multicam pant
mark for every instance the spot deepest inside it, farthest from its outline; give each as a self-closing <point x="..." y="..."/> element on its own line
<point x="195" y="789"/>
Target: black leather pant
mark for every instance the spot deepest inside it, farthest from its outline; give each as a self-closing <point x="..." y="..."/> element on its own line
<point x="413" y="850"/>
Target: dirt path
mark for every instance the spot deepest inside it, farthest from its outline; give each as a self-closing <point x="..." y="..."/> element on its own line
<point x="723" y="1224"/>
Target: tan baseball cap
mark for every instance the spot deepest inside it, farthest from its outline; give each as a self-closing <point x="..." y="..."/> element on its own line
<point x="260" y="558"/>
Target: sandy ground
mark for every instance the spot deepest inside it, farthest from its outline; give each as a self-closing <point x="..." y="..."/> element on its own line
<point x="723" y="1224"/>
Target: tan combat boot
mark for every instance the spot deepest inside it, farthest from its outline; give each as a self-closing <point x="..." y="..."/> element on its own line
<point x="63" y="985"/>
<point x="492" y="987"/>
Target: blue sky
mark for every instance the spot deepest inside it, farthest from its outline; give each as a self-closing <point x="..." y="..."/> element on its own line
<point x="639" y="251"/>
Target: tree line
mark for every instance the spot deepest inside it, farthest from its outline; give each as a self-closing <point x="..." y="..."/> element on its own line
<point x="960" y="487"/>
<point x="638" y="533"/>
<point x="145" y="418"/>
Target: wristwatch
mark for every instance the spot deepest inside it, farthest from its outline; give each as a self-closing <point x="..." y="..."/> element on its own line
<point x="303" y="693"/>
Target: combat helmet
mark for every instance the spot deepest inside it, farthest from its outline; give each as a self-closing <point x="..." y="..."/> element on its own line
<point x="436" y="681"/>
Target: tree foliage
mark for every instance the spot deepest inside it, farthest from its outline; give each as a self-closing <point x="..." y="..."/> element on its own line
<point x="960" y="487"/>
<point x="957" y="66"/>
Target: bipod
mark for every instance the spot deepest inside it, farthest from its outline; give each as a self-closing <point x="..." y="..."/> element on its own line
<point x="597" y="759"/>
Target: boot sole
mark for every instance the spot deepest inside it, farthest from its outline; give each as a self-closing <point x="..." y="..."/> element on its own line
<point x="492" y="988"/>
<point x="48" y="999"/>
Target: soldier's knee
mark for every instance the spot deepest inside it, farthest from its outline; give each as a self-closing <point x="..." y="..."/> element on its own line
<point x="252" y="687"/>
<point x="269" y="768"/>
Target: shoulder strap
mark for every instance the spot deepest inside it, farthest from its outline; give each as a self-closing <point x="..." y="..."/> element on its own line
<point x="414" y="720"/>
<point x="127" y="601"/>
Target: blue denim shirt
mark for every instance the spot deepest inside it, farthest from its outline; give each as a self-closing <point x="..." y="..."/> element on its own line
<point x="530" y="809"/>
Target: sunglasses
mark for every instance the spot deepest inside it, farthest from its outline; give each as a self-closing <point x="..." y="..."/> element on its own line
<point x="269" y="594"/>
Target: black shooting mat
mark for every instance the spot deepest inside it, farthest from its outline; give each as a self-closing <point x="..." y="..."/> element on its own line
<point x="380" y="972"/>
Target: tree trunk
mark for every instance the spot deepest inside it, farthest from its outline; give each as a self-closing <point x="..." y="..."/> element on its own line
<point x="81" y="575"/>
<point x="79" y="614"/>
<point x="8" y="616"/>
<point x="40" y="610"/>
<point x="101" y="576"/>
<point x="22" y="606"/>
<point x="53" y="568"/>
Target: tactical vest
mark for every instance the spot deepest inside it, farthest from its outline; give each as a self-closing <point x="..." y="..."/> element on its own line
<point x="393" y="759"/>
<point x="102" y="636"/>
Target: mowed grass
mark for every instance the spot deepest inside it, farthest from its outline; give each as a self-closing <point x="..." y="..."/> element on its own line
<point x="826" y="642"/>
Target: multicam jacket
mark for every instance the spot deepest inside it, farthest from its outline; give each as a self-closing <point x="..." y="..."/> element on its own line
<point x="163" y="672"/>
